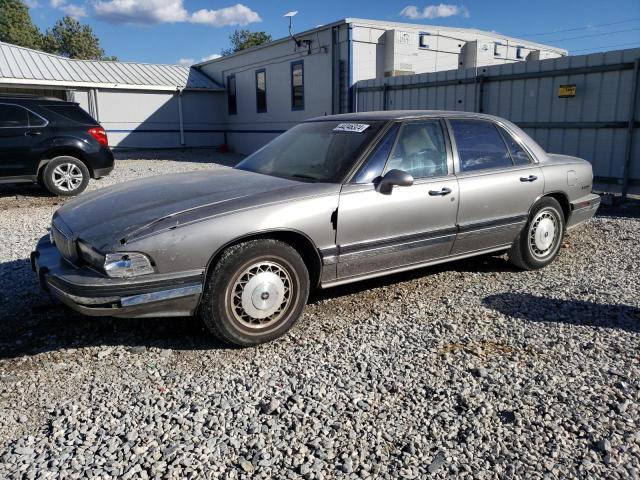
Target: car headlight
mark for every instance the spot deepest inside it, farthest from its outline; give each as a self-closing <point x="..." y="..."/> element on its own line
<point x="127" y="264"/>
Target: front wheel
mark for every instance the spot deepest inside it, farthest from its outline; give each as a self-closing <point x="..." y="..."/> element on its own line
<point x="255" y="293"/>
<point x="540" y="240"/>
<point x="65" y="176"/>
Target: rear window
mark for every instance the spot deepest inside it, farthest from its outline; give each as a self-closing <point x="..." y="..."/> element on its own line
<point x="73" y="113"/>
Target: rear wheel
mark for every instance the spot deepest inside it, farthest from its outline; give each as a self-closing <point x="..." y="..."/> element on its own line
<point x="255" y="293"/>
<point x="65" y="176"/>
<point x="539" y="242"/>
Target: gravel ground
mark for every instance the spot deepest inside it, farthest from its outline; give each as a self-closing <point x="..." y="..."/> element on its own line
<point x="471" y="369"/>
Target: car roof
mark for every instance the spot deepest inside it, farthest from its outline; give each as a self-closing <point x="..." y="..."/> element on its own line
<point x="18" y="98"/>
<point x="401" y="115"/>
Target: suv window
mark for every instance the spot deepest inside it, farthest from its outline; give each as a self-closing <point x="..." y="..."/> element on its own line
<point x="73" y="113"/>
<point x="375" y="163"/>
<point x="420" y="150"/>
<point x="480" y="145"/>
<point x="36" y="120"/>
<point x="13" y="116"/>
<point x="518" y="155"/>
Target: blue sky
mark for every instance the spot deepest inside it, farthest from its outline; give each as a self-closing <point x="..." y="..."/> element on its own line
<point x="166" y="31"/>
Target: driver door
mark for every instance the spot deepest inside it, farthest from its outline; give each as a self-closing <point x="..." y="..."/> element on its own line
<point x="409" y="225"/>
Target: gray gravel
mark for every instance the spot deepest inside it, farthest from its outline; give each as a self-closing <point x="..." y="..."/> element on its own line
<point x="471" y="369"/>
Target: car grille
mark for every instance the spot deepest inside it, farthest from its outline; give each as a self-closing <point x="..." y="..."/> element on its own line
<point x="64" y="242"/>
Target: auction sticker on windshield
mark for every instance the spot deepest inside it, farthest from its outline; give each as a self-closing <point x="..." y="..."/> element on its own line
<point x="351" y="127"/>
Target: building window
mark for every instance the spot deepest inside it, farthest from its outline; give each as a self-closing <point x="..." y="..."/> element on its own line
<point x="297" y="85"/>
<point x="231" y="95"/>
<point x="519" y="53"/>
<point x="423" y="40"/>
<point x="496" y="49"/>
<point x="261" y="90"/>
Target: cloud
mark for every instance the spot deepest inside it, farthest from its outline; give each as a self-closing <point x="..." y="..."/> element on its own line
<point x="434" y="11"/>
<point x="145" y="12"/>
<point x="56" y="3"/>
<point x="235" y="15"/>
<point x="213" y="56"/>
<point x="74" y="11"/>
<point x="31" y="3"/>
<point x="190" y="61"/>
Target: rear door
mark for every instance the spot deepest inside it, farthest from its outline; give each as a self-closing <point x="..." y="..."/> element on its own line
<point x="498" y="180"/>
<point x="21" y="130"/>
<point x="410" y="225"/>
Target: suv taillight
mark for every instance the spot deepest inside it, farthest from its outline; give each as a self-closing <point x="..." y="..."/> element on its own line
<point x="100" y="135"/>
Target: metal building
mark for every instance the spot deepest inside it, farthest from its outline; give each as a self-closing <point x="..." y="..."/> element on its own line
<point x="139" y="104"/>
<point x="274" y="86"/>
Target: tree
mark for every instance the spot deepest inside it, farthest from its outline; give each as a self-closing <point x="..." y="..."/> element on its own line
<point x="16" y="26"/>
<point x="70" y="38"/>
<point x="243" y="39"/>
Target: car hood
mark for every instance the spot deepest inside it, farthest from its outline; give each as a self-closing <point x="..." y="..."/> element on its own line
<point x="110" y="217"/>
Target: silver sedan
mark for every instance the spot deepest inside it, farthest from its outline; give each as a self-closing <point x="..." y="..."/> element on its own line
<point x="334" y="200"/>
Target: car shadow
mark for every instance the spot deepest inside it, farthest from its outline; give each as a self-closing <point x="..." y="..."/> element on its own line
<point x="490" y="263"/>
<point x="535" y="308"/>
<point x="33" y="322"/>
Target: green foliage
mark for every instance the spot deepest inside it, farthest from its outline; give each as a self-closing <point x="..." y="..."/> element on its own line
<point x="243" y="39"/>
<point x="16" y="26"/>
<point x="70" y="38"/>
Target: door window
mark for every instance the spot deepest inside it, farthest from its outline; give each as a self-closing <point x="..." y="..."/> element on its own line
<point x="480" y="145"/>
<point x="36" y="120"/>
<point x="420" y="150"/>
<point x="519" y="156"/>
<point x="12" y="116"/>
<point x="375" y="163"/>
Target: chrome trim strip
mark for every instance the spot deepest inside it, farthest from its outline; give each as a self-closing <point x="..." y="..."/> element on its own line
<point x="161" y="295"/>
<point x="397" y="247"/>
<point x="412" y="266"/>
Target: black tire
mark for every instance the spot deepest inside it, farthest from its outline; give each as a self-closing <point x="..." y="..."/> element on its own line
<point x="53" y="179"/>
<point x="225" y="297"/>
<point x="530" y="251"/>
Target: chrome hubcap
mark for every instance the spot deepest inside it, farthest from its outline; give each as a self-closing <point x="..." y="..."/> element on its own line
<point x="67" y="177"/>
<point x="543" y="233"/>
<point x="261" y="294"/>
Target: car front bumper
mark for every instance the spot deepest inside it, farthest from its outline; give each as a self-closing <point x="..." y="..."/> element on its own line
<point x="92" y="293"/>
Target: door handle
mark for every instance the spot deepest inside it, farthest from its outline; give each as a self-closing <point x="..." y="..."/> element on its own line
<point x="442" y="192"/>
<point x="530" y="178"/>
<point x="33" y="133"/>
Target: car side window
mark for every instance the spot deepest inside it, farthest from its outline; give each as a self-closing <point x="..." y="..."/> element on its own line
<point x="519" y="156"/>
<point x="374" y="165"/>
<point x="480" y="145"/>
<point x="12" y="116"/>
<point x="36" y="120"/>
<point x="420" y="150"/>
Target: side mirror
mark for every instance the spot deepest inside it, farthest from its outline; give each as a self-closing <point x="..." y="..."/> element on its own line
<point x="394" y="178"/>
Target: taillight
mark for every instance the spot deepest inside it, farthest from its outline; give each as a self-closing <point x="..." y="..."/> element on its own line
<point x="100" y="135"/>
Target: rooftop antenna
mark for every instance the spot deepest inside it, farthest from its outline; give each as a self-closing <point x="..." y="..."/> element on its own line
<point x="298" y="42"/>
<point x="291" y="15"/>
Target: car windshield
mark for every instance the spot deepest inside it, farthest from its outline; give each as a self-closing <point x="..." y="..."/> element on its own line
<point x="322" y="151"/>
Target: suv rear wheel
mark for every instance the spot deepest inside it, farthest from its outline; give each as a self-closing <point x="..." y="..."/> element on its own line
<point x="65" y="176"/>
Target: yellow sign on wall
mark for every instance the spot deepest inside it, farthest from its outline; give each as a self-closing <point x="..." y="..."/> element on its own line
<point x="566" y="91"/>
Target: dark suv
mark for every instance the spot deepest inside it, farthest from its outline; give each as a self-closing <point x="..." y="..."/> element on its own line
<point x="52" y="142"/>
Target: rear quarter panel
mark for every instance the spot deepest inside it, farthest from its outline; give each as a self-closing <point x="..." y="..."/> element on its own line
<point x="569" y="175"/>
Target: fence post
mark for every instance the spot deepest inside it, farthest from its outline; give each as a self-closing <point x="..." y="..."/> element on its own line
<point x="384" y="95"/>
<point x="481" y="95"/>
<point x="630" y="127"/>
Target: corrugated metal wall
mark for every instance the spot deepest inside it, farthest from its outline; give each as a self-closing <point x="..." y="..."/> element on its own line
<point x="598" y="124"/>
